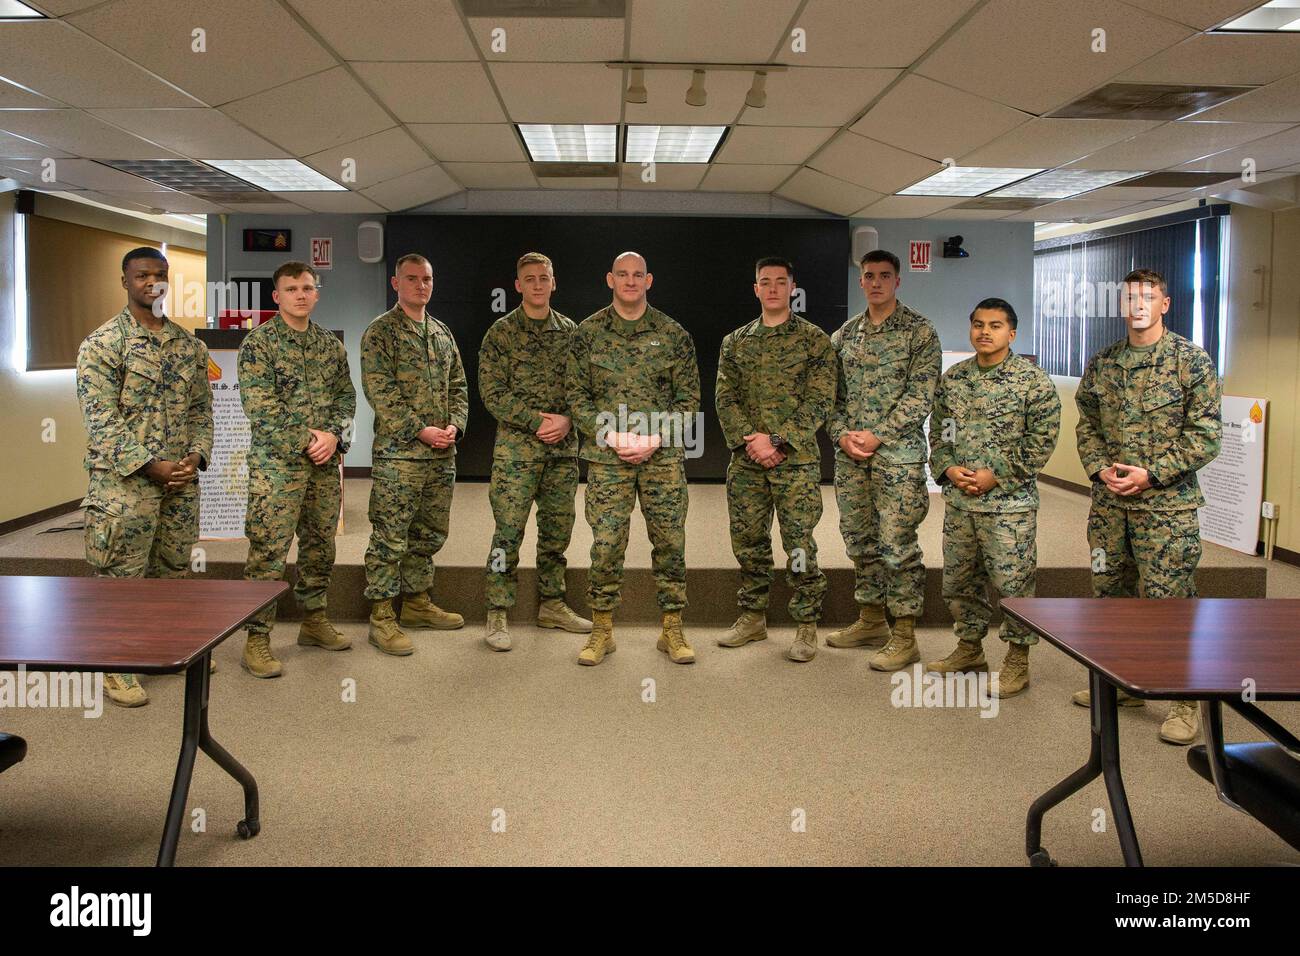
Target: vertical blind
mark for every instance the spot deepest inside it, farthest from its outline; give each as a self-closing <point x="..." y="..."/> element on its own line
<point x="1077" y="290"/>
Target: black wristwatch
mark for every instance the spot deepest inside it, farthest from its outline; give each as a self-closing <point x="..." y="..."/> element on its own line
<point x="776" y="440"/>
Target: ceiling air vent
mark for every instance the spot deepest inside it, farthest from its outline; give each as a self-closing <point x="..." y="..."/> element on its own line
<point x="1148" y="101"/>
<point x="1173" y="180"/>
<point x="234" y="199"/>
<point x="574" y="170"/>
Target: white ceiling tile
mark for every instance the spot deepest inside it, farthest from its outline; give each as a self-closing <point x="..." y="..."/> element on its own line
<point x="760" y="145"/>
<point x="820" y="191"/>
<point x="433" y="92"/>
<point x="79" y="133"/>
<point x="336" y="202"/>
<point x="413" y="189"/>
<point x="962" y="214"/>
<point x="492" y="175"/>
<point x="666" y="175"/>
<point x="1175" y="143"/>
<point x="550" y="39"/>
<point x="666" y="98"/>
<point x="887" y="33"/>
<point x="14" y="97"/>
<point x="372" y="159"/>
<point x="1048" y="143"/>
<point x="173" y="201"/>
<point x="745" y="178"/>
<point x="955" y="122"/>
<point x="578" y="182"/>
<point x="721" y="31"/>
<point x="1271" y="152"/>
<point x="1277" y="102"/>
<point x="1222" y="59"/>
<point x="52" y="58"/>
<point x="15" y="147"/>
<point x="906" y="207"/>
<point x="1201" y="14"/>
<point x="61" y="8"/>
<point x="251" y="45"/>
<point x="993" y="56"/>
<point x="470" y="142"/>
<point x="269" y="209"/>
<point x="877" y="166"/>
<point x="115" y="201"/>
<point x="197" y="133"/>
<point x="389" y="29"/>
<point x="818" y="96"/>
<point x="1067" y="209"/>
<point x="558" y="92"/>
<point x="1131" y="193"/>
<point x="314" y="113"/>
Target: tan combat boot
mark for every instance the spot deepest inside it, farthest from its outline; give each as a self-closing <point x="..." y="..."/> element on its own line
<point x="1182" y="724"/>
<point x="969" y="656"/>
<point x="804" y="647"/>
<point x="1084" y="698"/>
<point x="750" y="626"/>
<point x="257" y="659"/>
<point x="870" y="628"/>
<point x="125" y="690"/>
<point x="384" y="632"/>
<point x="601" y="641"/>
<point x="901" y="648"/>
<point x="1014" y="675"/>
<point x="553" y="612"/>
<point x="419" y="611"/>
<point x="673" y="642"/>
<point x="498" y="633"/>
<point x="317" y="631"/>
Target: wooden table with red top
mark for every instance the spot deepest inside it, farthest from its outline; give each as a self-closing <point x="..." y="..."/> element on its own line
<point x="1215" y="650"/>
<point x="138" y="626"/>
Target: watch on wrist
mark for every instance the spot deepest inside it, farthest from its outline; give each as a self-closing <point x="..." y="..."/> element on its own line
<point x="776" y="440"/>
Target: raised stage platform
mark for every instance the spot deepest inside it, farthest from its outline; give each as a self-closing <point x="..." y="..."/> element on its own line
<point x="712" y="576"/>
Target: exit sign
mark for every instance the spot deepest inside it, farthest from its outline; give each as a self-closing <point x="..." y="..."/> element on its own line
<point x="322" y="253"/>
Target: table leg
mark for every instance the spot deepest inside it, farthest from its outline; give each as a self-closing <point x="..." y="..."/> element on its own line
<point x="1066" y="788"/>
<point x="251" y="825"/>
<point x="1105" y="716"/>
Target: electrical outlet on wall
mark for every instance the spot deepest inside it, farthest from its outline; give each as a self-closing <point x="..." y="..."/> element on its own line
<point x="1268" y="510"/>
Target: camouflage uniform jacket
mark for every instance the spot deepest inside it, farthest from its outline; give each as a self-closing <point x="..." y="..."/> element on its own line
<point x="1159" y="410"/>
<point x="413" y="377"/>
<point x="645" y="367"/>
<point x="521" y="373"/>
<point x="778" y="380"/>
<point x="143" y="395"/>
<point x="886" y="380"/>
<point x="1005" y="420"/>
<point x="291" y="382"/>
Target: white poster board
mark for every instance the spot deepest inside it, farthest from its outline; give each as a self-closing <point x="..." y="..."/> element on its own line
<point x="949" y="360"/>
<point x="1233" y="484"/>
<point x="223" y="488"/>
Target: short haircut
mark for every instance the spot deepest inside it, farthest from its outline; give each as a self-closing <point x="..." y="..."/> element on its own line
<point x="410" y="257"/>
<point x="1002" y="305"/>
<point x="880" y="255"/>
<point x="533" y="258"/>
<point x="774" y="262"/>
<point x="143" y="252"/>
<point x="1148" y="277"/>
<point x="293" y="268"/>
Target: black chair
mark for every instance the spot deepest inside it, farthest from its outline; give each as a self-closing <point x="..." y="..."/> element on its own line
<point x="12" y="750"/>
<point x="1259" y="779"/>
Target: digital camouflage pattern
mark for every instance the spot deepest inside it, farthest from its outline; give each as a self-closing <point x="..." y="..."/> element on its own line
<point x="289" y="383"/>
<point x="881" y="506"/>
<point x="410" y="514"/>
<point x="1006" y="420"/>
<point x="515" y="486"/>
<point x="776" y="380"/>
<point x="143" y="395"/>
<point x="1140" y="553"/>
<point x="982" y="548"/>
<point x="522" y="367"/>
<point x="413" y="377"/>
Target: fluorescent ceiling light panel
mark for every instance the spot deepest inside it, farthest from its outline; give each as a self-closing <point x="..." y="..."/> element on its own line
<point x="672" y="144"/>
<point x="1274" y="16"/>
<point x="277" y="175"/>
<point x="574" y="143"/>
<point x="1064" y="183"/>
<point x="13" y="10"/>
<point x="967" y="181"/>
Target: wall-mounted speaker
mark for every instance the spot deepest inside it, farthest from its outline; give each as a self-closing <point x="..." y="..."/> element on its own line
<point x="865" y="239"/>
<point x="370" y="241"/>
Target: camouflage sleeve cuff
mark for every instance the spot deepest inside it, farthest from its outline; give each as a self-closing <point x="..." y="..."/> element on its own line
<point x="128" y="464"/>
<point x="203" y="458"/>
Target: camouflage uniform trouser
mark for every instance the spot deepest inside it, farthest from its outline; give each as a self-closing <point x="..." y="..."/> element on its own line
<point x="1149" y="554"/>
<point x="552" y="483"/>
<point x="136" y="529"/>
<point x="283" y="500"/>
<point x="983" y="548"/>
<point x="881" y="506"/>
<point x="794" y="493"/>
<point x="612" y="491"/>
<point x="410" y="512"/>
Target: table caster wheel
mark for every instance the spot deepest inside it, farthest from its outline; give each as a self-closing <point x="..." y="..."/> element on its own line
<point x="247" y="829"/>
<point x="1041" y="858"/>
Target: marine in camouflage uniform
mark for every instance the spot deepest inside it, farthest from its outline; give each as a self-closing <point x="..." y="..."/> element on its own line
<point x="144" y="398"/>
<point x="413" y="377"/>
<point x="1003" y="418"/>
<point x="779" y="381"/>
<point x="1154" y="407"/>
<point x="291" y="383"/>
<point x="621" y="373"/>
<point x="887" y="374"/>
